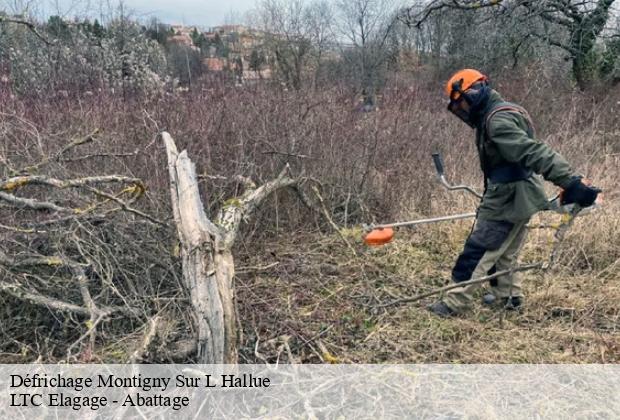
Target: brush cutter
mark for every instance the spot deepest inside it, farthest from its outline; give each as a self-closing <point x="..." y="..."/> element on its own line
<point x="382" y="234"/>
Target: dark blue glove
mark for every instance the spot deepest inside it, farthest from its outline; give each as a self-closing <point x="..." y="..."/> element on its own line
<point x="580" y="193"/>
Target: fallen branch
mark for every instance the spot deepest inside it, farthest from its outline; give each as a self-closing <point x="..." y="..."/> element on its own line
<point x="32" y="204"/>
<point x="16" y="182"/>
<point x="462" y="284"/>
<point x="41" y="300"/>
<point x="36" y="298"/>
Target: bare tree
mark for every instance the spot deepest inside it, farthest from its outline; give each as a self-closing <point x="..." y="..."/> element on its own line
<point x="319" y="16"/>
<point x="286" y="36"/>
<point x="572" y="25"/>
<point x="366" y="25"/>
<point x="297" y="35"/>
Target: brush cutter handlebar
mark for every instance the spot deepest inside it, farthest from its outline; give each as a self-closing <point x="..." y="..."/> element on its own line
<point x="440" y="174"/>
<point x="555" y="203"/>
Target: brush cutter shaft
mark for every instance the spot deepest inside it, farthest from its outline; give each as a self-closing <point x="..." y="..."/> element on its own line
<point x="426" y="221"/>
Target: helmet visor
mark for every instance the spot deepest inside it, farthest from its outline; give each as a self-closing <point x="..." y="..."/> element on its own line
<point x="455" y="107"/>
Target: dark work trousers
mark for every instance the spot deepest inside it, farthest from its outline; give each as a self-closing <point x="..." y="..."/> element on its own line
<point x="492" y="246"/>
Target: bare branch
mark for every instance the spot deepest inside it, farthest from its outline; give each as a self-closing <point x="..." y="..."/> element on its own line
<point x="78" y="142"/>
<point x="150" y="334"/>
<point x="238" y="209"/>
<point x="417" y="19"/>
<point x="31" y="203"/>
<point x="465" y="283"/>
<point x="29" y="25"/>
<point x="40" y="300"/>
<point x="14" y="183"/>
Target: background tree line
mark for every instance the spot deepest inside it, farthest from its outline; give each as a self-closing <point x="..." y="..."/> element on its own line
<point x="313" y="43"/>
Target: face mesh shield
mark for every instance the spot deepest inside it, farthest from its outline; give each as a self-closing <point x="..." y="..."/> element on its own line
<point x="472" y="97"/>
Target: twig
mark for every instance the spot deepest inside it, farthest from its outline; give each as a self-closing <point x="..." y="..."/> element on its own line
<point x="275" y="152"/>
<point x="91" y="329"/>
<point x="146" y="341"/>
<point x="331" y="221"/>
<point x="244" y="270"/>
<point x="78" y="142"/>
<point x="21" y="230"/>
<point x="127" y="208"/>
<point x="98" y="155"/>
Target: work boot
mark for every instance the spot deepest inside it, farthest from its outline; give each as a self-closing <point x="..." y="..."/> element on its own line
<point x="439" y="308"/>
<point x="489" y="299"/>
<point x="511" y="303"/>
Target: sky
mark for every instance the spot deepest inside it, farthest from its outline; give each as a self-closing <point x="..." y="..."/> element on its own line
<point x="203" y="13"/>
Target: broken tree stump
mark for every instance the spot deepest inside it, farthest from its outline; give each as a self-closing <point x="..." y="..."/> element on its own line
<point x="206" y="251"/>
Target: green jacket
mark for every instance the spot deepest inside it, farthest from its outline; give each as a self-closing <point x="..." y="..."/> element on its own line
<point x="504" y="141"/>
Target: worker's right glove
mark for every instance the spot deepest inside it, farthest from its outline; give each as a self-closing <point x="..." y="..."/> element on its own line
<point x="580" y="193"/>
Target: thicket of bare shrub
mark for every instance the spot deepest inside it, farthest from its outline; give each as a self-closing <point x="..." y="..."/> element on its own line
<point x="371" y="167"/>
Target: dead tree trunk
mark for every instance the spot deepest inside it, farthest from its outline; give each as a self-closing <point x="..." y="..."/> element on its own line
<point x="206" y="251"/>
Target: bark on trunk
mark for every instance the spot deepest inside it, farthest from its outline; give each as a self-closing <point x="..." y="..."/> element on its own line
<point x="206" y="250"/>
<point x="208" y="267"/>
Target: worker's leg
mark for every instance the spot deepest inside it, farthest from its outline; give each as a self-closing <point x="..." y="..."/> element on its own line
<point x="510" y="285"/>
<point x="489" y="241"/>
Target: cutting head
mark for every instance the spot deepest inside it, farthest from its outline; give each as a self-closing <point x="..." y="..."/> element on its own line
<point x="379" y="236"/>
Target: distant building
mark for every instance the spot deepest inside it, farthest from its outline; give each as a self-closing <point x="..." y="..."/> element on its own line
<point x="215" y="63"/>
<point x="181" y="40"/>
<point x="183" y="36"/>
<point x="226" y="29"/>
<point x="240" y="42"/>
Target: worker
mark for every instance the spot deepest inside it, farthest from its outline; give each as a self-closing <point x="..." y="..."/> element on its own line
<point x="511" y="159"/>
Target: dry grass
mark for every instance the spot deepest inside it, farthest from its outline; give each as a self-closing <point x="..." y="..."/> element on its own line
<point x="319" y="293"/>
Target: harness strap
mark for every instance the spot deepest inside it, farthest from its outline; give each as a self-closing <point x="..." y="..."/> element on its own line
<point x="514" y="171"/>
<point x="507" y="106"/>
<point x="509" y="173"/>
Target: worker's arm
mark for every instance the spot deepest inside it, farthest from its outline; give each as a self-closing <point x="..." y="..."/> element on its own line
<point x="514" y="144"/>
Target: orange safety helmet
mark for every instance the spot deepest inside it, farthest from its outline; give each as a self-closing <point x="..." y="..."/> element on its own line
<point x="461" y="81"/>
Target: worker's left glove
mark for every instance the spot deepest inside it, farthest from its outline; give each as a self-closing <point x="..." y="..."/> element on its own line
<point x="580" y="193"/>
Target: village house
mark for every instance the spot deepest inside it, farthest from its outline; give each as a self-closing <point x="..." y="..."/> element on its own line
<point x="182" y="36"/>
<point x="241" y="42"/>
